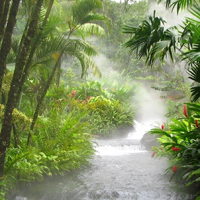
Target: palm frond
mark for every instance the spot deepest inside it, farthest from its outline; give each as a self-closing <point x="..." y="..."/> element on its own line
<point x="97" y="17"/>
<point x="151" y="40"/>
<point x="81" y="9"/>
<point x="192" y="55"/>
<point x="45" y="51"/>
<point x="159" y="50"/>
<point x="195" y="11"/>
<point x="87" y="63"/>
<point x="179" y="4"/>
<point x="195" y="93"/>
<point x="89" y="29"/>
<point x="51" y="26"/>
<point x="194" y="72"/>
<point x="81" y="45"/>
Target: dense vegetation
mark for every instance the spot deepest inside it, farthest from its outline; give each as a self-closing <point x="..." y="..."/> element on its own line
<point x="153" y="41"/>
<point x="50" y="106"/>
<point x="57" y="94"/>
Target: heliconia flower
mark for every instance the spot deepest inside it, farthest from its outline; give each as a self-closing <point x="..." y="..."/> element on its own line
<point x="185" y="111"/>
<point x="174" y="168"/>
<point x="73" y="93"/>
<point x="196" y="122"/>
<point x="175" y="148"/>
<point x="162" y="126"/>
<point x="89" y="97"/>
<point x="153" y="154"/>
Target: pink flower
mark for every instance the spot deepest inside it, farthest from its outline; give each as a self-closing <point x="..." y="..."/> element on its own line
<point x="153" y="154"/>
<point x="89" y="97"/>
<point x="162" y="126"/>
<point x="174" y="168"/>
<point x="185" y="111"/>
<point x="196" y="122"/>
<point x="73" y="93"/>
<point x="176" y="149"/>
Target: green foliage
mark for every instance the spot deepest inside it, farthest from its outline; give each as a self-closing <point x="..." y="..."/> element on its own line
<point x="180" y="144"/>
<point x="108" y="115"/>
<point x="18" y="117"/>
<point x="61" y="142"/>
<point x="123" y="93"/>
<point x="90" y="89"/>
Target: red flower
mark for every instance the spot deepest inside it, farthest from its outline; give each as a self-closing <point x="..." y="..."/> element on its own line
<point x="176" y="149"/>
<point x="185" y="111"/>
<point x="153" y="154"/>
<point x="162" y="126"/>
<point x="89" y="97"/>
<point x="73" y="93"/>
<point x="174" y="168"/>
<point x="196" y="122"/>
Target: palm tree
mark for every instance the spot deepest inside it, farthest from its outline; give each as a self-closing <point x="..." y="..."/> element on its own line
<point x="24" y="53"/>
<point x="81" y="23"/>
<point x="152" y="41"/>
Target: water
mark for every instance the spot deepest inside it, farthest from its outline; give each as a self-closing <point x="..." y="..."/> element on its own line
<point x="121" y="170"/>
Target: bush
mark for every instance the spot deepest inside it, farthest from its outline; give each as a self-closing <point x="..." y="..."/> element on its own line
<point x="108" y="115"/>
<point x="180" y="143"/>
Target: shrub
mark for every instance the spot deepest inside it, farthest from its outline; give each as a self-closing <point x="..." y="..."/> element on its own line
<point x="108" y="115"/>
<point x="180" y="143"/>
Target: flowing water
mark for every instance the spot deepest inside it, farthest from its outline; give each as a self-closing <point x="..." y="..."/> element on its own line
<point x="121" y="170"/>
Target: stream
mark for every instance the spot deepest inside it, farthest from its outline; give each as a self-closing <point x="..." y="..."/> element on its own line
<point x="121" y="170"/>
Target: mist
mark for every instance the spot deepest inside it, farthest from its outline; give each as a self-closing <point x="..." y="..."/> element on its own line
<point x="171" y="17"/>
<point x="150" y="107"/>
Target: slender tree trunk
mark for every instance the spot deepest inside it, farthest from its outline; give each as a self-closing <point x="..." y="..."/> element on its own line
<point x="34" y="46"/>
<point x="3" y="17"/>
<point x="6" y="42"/>
<point x="41" y="98"/>
<point x="3" y="97"/>
<point x="15" y="135"/>
<point x="11" y="103"/>
<point x="85" y="86"/>
<point x="1" y="8"/>
<point x="58" y="75"/>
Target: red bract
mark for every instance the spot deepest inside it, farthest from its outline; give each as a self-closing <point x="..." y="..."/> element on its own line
<point x="162" y="126"/>
<point x="176" y="149"/>
<point x="185" y="111"/>
<point x="174" y="168"/>
<point x="153" y="154"/>
<point x="73" y="93"/>
<point x="196" y="122"/>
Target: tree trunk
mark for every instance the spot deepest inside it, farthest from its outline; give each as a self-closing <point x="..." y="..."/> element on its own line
<point x="41" y="98"/>
<point x="3" y="16"/>
<point x="58" y="75"/>
<point x="6" y="42"/>
<point x="1" y="8"/>
<point x="15" y="135"/>
<point x="11" y="103"/>
<point x="34" y="46"/>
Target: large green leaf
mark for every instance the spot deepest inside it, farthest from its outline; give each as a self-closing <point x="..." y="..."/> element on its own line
<point x="179" y="4"/>
<point x="82" y="9"/>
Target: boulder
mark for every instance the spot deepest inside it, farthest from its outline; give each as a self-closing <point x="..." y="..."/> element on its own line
<point x="149" y="140"/>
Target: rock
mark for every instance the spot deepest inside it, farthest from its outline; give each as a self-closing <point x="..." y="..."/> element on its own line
<point x="149" y="141"/>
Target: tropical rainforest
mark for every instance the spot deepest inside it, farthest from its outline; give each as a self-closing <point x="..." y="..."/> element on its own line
<point x="72" y="70"/>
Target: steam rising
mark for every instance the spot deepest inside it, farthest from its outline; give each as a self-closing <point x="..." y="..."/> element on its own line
<point x="149" y="106"/>
<point x="171" y="17"/>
